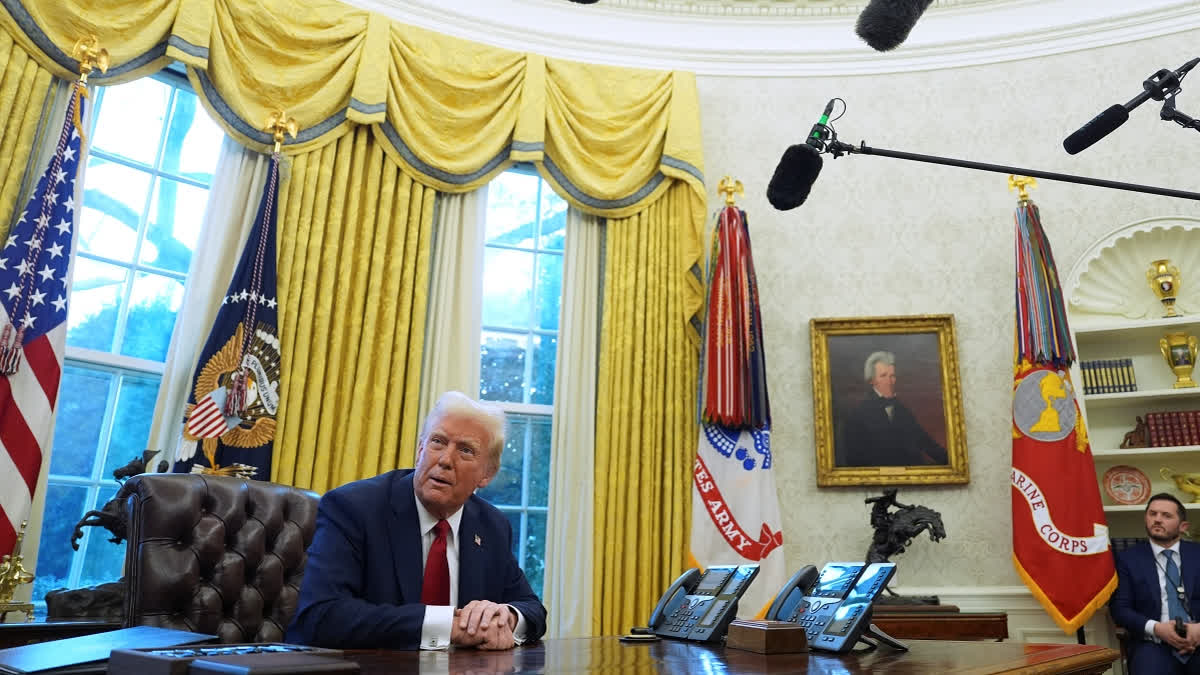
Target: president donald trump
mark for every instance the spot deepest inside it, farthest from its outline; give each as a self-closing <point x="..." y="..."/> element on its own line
<point x="413" y="558"/>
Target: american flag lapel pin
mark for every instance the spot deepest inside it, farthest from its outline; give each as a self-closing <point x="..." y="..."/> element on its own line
<point x="478" y="541"/>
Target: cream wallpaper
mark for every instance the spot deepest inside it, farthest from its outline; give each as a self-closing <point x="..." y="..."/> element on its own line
<point x="881" y="236"/>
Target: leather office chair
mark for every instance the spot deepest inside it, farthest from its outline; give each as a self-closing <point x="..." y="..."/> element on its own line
<point x="216" y="554"/>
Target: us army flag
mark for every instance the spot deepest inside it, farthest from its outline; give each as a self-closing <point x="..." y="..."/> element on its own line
<point x="735" y="510"/>
<point x="1060" y="535"/>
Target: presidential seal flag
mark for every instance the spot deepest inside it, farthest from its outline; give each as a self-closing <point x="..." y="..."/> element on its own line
<point x="1060" y="535"/>
<point x="229" y="422"/>
<point x="735" y="510"/>
<point x="34" y="286"/>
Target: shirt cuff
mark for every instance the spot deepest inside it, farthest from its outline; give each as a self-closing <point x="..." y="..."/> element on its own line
<point x="521" y="628"/>
<point x="1148" y="629"/>
<point x="435" y="630"/>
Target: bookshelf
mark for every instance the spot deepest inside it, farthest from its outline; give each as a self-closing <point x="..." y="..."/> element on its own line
<point x="1115" y="315"/>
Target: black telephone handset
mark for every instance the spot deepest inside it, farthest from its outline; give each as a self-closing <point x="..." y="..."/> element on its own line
<point x="793" y="592"/>
<point x="699" y="606"/>
<point x="834" y="607"/>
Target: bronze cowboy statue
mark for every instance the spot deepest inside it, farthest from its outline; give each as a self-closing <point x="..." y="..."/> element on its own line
<point x="896" y="530"/>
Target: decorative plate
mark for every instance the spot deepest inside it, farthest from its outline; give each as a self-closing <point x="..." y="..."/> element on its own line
<point x="1126" y="485"/>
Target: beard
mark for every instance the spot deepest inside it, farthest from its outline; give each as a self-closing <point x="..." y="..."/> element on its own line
<point x="1164" y="537"/>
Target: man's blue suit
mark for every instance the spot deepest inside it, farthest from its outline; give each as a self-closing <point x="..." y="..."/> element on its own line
<point x="362" y="585"/>
<point x="1137" y="600"/>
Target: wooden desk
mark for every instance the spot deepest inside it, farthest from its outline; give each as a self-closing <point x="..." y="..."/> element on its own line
<point x="608" y="655"/>
<point x="18" y="634"/>
<point x="951" y="625"/>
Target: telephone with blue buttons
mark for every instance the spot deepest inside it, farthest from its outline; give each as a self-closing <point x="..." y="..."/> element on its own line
<point x="834" y="606"/>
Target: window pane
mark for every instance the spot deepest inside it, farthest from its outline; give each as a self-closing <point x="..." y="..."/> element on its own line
<point x="114" y="197"/>
<point x="539" y="460"/>
<point x="131" y="422"/>
<point x="545" y="348"/>
<point x="193" y="140"/>
<point x="64" y="507"/>
<point x="514" y="520"/>
<point x="549" y="290"/>
<point x="507" y="288"/>
<point x="173" y="225"/>
<point x="534" y="563"/>
<point x="512" y="209"/>
<point x="153" y="305"/>
<point x="505" y="488"/>
<point x="130" y="119"/>
<point x="554" y="221"/>
<point x="81" y="402"/>
<point x="502" y="367"/>
<point x="95" y="295"/>
<point x="104" y="561"/>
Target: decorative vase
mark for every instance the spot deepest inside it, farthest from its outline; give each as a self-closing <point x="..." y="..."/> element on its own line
<point x="1179" y="351"/>
<point x="1164" y="279"/>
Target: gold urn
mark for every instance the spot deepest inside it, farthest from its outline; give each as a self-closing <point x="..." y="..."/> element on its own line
<point x="1179" y="351"/>
<point x="1164" y="279"/>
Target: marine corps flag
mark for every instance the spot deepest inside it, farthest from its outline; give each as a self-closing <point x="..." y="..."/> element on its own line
<point x="735" y="510"/>
<point x="1060" y="535"/>
<point x="235" y="392"/>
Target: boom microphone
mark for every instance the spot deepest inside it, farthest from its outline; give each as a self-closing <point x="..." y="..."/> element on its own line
<point x="885" y="24"/>
<point x="1100" y="126"/>
<point x="1161" y="85"/>
<point x="799" y="166"/>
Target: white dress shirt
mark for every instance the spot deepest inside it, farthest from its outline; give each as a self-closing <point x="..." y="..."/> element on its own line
<point x="1160" y="566"/>
<point x="435" y="630"/>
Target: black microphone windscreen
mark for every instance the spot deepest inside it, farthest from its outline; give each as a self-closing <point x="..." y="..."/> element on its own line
<point x="1100" y="126"/>
<point x="794" y="177"/>
<point x="884" y="24"/>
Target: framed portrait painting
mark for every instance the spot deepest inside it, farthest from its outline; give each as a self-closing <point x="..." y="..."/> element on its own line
<point x="887" y="405"/>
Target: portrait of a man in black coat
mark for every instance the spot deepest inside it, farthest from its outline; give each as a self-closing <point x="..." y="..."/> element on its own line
<point x="881" y="430"/>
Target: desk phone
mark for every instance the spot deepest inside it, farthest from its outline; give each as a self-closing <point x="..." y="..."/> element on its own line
<point x="700" y="605"/>
<point x="834" y="607"/>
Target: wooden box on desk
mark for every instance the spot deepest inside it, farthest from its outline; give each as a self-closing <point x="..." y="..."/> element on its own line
<point x="766" y="637"/>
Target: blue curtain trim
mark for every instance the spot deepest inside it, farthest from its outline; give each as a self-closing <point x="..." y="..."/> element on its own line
<point x="187" y="47"/>
<point x="445" y="176"/>
<point x="226" y="113"/>
<point x="367" y="108"/>
<point x="682" y="166"/>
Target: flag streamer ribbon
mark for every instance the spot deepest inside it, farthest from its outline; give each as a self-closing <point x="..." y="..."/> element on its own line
<point x="733" y="365"/>
<point x="1043" y="335"/>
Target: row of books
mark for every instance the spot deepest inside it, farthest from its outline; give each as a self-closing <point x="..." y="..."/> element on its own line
<point x="1169" y="429"/>
<point x="1107" y="376"/>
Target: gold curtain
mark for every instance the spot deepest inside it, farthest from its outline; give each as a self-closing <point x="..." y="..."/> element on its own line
<point x="645" y="418"/>
<point x="353" y="280"/>
<point x="24" y="86"/>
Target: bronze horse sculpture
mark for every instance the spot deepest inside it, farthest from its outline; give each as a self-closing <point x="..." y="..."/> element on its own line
<point x="896" y="530"/>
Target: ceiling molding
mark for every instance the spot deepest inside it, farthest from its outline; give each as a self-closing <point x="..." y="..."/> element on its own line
<point x="953" y="33"/>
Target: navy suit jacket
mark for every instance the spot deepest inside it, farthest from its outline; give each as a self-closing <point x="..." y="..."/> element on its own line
<point x="362" y="585"/>
<point x="1137" y="598"/>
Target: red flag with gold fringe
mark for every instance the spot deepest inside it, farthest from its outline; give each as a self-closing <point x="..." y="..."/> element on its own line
<point x="1060" y="535"/>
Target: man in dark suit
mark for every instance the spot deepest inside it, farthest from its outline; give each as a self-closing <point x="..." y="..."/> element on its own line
<point x="1158" y="581"/>
<point x="882" y="431"/>
<point x="412" y="558"/>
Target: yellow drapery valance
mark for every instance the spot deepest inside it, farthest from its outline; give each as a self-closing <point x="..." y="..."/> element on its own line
<point x="452" y="113"/>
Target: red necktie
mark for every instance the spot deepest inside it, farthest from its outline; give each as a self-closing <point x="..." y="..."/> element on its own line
<point x="435" y="589"/>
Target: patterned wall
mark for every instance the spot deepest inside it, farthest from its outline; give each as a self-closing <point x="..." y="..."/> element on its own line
<point x="881" y="236"/>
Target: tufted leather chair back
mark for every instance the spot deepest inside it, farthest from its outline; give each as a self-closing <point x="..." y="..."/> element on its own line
<point x="216" y="554"/>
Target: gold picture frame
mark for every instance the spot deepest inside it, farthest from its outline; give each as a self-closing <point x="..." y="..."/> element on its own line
<point x="911" y="433"/>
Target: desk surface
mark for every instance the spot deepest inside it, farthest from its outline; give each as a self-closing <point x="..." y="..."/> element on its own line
<point x="608" y="655"/>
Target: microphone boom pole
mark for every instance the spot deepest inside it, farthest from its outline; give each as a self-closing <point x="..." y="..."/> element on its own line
<point x="838" y="148"/>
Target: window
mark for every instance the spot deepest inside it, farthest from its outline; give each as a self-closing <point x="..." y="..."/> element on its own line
<point x="522" y="290"/>
<point x="150" y="164"/>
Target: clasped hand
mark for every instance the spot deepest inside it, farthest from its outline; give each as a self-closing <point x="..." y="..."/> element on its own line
<point x="486" y="625"/>
<point x="1184" y="644"/>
